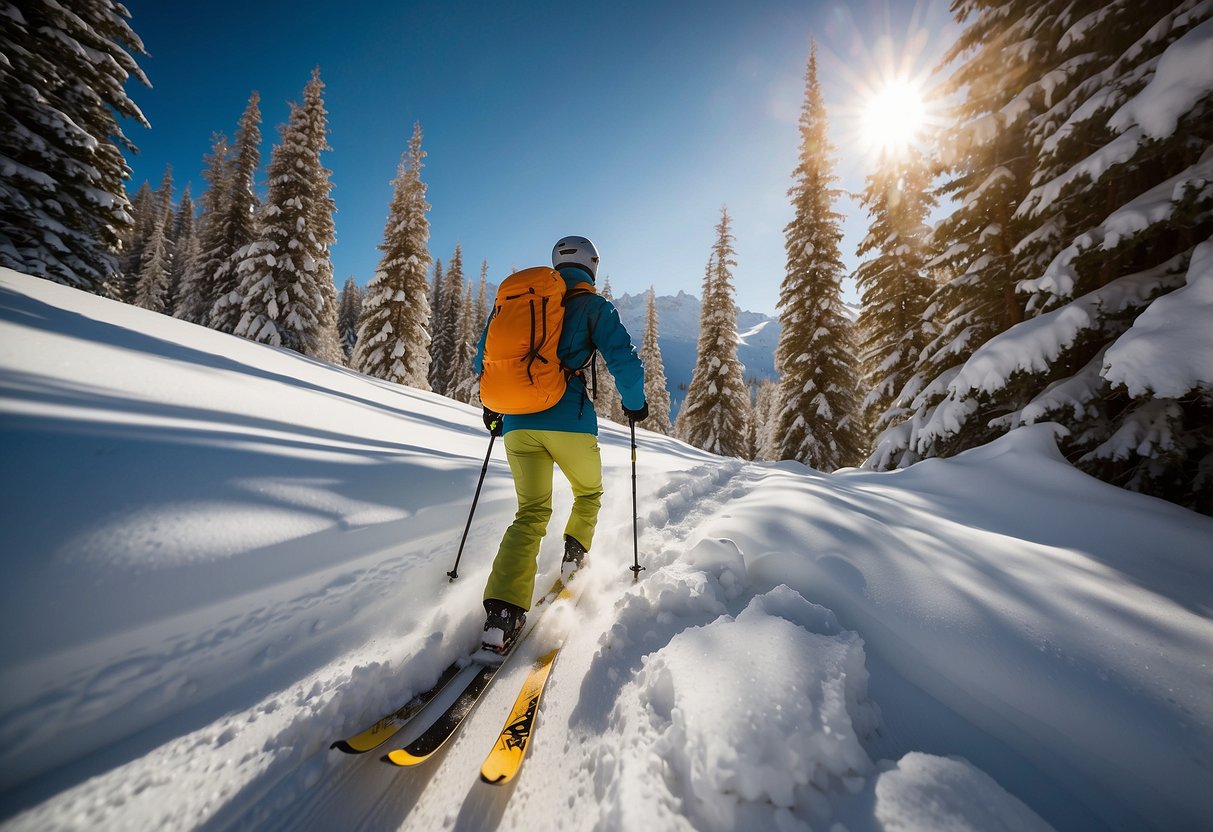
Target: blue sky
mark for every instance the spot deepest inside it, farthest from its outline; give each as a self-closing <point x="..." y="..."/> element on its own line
<point x="628" y="122"/>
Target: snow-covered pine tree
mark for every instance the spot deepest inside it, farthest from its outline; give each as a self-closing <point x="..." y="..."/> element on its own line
<point x="148" y="285"/>
<point x="63" y="204"/>
<point x="766" y="405"/>
<point x="716" y="413"/>
<point x="438" y="361"/>
<point x="328" y="347"/>
<point x="194" y="300"/>
<point x="393" y="332"/>
<point x="144" y="215"/>
<point x="1113" y="255"/>
<point x="817" y="423"/>
<point x="656" y="390"/>
<point x="151" y="286"/>
<point x="349" y="310"/>
<point x="987" y="161"/>
<point x="434" y="287"/>
<point x="444" y="349"/>
<point x="287" y="292"/>
<point x="472" y="322"/>
<point x="185" y="248"/>
<point x="482" y="304"/>
<point x="609" y="404"/>
<point x="164" y="201"/>
<point x="149" y="210"/>
<point x="236" y="224"/>
<point x="328" y="343"/>
<point x="164" y="214"/>
<point x="463" y="381"/>
<point x="894" y="283"/>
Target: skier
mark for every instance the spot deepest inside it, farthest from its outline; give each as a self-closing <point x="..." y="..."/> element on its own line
<point x="565" y="434"/>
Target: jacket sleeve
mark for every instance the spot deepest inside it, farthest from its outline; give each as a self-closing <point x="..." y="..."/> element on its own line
<point x="613" y="342"/>
<point x="478" y="360"/>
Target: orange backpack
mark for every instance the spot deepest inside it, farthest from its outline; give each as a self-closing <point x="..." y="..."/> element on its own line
<point x="522" y="373"/>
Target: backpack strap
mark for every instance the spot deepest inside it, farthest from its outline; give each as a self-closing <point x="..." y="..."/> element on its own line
<point x="579" y="372"/>
<point x="533" y="354"/>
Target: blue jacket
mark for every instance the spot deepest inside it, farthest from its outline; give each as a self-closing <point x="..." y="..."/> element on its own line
<point x="590" y="322"/>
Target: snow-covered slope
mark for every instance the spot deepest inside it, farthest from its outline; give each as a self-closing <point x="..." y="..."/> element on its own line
<point x="220" y="556"/>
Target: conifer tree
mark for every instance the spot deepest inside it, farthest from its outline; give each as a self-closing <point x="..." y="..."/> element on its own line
<point x="393" y="331"/>
<point x="143" y="213"/>
<point x="445" y="351"/>
<point x="1116" y="144"/>
<point x="1133" y="419"/>
<point x="150" y="211"/>
<point x="151" y="286"/>
<point x="287" y="293"/>
<point x="894" y="283"/>
<point x="236" y="224"/>
<point x="328" y="347"/>
<point x="1128" y="264"/>
<point x="609" y="404"/>
<point x="817" y="422"/>
<point x="656" y="391"/>
<point x="63" y="207"/>
<point x="766" y="405"/>
<point x="194" y="298"/>
<point x="148" y="285"/>
<point x="349" y="309"/>
<point x="435" y="286"/>
<point x="482" y="306"/>
<point x="185" y="248"/>
<point x="463" y="380"/>
<point x="438" y="361"/>
<point x="987" y="160"/>
<point x="164" y="199"/>
<point x="715" y="415"/>
<point x="472" y="323"/>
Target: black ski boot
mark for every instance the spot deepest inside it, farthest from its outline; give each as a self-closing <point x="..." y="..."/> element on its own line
<point x="574" y="557"/>
<point x="502" y="624"/>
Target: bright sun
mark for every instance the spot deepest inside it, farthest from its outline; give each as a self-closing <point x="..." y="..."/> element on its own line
<point x="894" y="117"/>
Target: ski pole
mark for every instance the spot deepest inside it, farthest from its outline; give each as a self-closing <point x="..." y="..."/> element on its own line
<point x="454" y="573"/>
<point x="635" y="567"/>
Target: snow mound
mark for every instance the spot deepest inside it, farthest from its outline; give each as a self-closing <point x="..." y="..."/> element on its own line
<point x="924" y="792"/>
<point x="780" y="731"/>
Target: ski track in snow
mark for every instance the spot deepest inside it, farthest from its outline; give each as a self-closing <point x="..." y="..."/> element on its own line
<point x="373" y="795"/>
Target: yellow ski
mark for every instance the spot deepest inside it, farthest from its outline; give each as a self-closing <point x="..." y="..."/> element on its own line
<point x="467" y="690"/>
<point x="505" y="759"/>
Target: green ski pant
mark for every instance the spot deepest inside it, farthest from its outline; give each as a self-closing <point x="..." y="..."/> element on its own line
<point x="532" y="454"/>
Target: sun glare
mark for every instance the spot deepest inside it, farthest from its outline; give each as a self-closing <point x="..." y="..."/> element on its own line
<point x="894" y="117"/>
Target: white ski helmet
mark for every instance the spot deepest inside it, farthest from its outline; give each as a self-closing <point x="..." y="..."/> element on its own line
<point x="577" y="251"/>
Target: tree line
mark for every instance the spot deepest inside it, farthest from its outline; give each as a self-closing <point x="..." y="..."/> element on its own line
<point x="1080" y="207"/>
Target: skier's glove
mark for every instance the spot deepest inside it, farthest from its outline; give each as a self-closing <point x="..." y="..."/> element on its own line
<point x="638" y="415"/>
<point x="493" y="422"/>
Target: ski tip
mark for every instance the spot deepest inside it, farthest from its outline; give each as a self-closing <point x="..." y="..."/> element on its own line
<point x="342" y="745"/>
<point x="401" y="757"/>
<point x="494" y="781"/>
